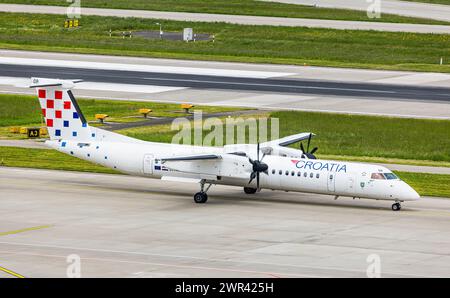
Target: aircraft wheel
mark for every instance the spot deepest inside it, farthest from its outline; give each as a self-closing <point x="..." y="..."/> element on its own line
<point x="396" y="207"/>
<point x="200" y="197"/>
<point x="249" y="190"/>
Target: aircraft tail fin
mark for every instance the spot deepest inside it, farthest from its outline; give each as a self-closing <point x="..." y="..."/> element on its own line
<point x="62" y="114"/>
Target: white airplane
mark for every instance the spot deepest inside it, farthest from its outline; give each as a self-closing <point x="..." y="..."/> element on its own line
<point x="241" y="165"/>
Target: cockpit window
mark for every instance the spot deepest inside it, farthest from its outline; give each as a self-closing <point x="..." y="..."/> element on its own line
<point x="390" y="176"/>
<point x="377" y="176"/>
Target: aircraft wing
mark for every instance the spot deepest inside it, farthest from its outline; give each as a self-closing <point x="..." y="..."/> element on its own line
<point x="286" y="141"/>
<point x="210" y="165"/>
<point x="191" y="157"/>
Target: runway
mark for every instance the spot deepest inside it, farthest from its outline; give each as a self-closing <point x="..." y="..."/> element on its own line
<point x="280" y="85"/>
<point x="233" y="19"/>
<point x="123" y="226"/>
<point x="405" y="8"/>
<point x="262" y="86"/>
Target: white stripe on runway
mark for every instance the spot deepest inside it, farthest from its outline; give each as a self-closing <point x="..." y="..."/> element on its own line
<point x="143" y="68"/>
<point x="25" y="82"/>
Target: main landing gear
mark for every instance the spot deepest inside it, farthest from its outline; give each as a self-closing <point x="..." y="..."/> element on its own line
<point x="201" y="197"/>
<point x="250" y="190"/>
<point x="396" y="206"/>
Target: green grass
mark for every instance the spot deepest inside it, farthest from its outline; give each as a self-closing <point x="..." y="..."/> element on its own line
<point x="363" y="138"/>
<point x="371" y="136"/>
<point x="424" y="184"/>
<point x="236" y="7"/>
<point x="19" y="109"/>
<point x="46" y="159"/>
<point x="435" y="185"/>
<point x="258" y="44"/>
<point x="25" y="110"/>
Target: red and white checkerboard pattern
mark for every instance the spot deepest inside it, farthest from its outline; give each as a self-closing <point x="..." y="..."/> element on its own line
<point x="60" y="115"/>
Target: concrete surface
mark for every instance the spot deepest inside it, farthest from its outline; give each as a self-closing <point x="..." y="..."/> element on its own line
<point x="123" y="226"/>
<point x="405" y="8"/>
<point x="234" y="19"/>
<point x="358" y="91"/>
<point x="228" y="69"/>
<point x="418" y="169"/>
<point x="172" y="82"/>
<point x="35" y="144"/>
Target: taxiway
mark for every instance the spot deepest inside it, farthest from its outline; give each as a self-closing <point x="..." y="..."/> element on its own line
<point x="122" y="226"/>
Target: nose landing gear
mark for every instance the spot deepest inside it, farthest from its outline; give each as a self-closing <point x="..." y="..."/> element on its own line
<point x="250" y="190"/>
<point x="200" y="197"/>
<point x="396" y="206"/>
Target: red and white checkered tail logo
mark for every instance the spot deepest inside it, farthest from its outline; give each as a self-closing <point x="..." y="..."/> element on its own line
<point x="62" y="115"/>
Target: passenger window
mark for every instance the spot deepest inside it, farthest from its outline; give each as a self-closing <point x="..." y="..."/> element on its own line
<point x="377" y="176"/>
<point x="305" y="174"/>
<point x="280" y="172"/>
<point x="317" y="175"/>
<point x="273" y="171"/>
<point x="292" y="173"/>
<point x="311" y="175"/>
<point x="299" y="174"/>
<point x="287" y="173"/>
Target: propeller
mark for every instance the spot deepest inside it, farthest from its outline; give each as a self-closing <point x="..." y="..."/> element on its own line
<point x="307" y="153"/>
<point x="258" y="167"/>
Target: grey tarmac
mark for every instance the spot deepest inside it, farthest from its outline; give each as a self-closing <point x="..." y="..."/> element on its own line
<point x="405" y="8"/>
<point x="122" y="226"/>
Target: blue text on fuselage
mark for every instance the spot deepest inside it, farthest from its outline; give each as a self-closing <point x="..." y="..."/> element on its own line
<point x="321" y="166"/>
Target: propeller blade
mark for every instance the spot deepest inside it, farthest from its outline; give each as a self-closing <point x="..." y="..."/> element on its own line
<point x="257" y="180"/>
<point x="264" y="155"/>
<point x="257" y="153"/>
<point x="314" y="150"/>
<point x="302" y="148"/>
<point x="252" y="176"/>
<point x="309" y="141"/>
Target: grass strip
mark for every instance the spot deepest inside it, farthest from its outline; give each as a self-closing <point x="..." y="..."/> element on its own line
<point x="237" y="43"/>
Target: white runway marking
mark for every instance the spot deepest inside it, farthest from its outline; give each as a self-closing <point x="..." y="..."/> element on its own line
<point x="23" y="82"/>
<point x="194" y="258"/>
<point x="143" y="68"/>
<point x="274" y="85"/>
<point x="195" y="267"/>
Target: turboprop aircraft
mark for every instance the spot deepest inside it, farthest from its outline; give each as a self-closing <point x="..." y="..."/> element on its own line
<point x="269" y="165"/>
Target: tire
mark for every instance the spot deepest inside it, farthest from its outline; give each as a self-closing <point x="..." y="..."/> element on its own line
<point x="249" y="190"/>
<point x="200" y="197"/>
<point x="396" y="207"/>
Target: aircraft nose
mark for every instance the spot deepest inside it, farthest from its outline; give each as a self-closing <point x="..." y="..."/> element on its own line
<point x="408" y="193"/>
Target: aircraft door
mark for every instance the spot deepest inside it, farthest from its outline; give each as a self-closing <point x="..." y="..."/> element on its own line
<point x="148" y="164"/>
<point x="351" y="183"/>
<point x="331" y="181"/>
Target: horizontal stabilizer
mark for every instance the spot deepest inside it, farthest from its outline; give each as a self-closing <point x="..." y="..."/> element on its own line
<point x="44" y="82"/>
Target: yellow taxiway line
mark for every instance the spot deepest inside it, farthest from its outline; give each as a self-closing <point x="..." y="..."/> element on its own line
<point x="11" y="272"/>
<point x="16" y="232"/>
<point x="24" y="230"/>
